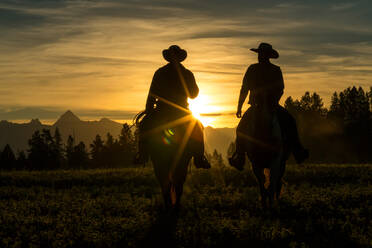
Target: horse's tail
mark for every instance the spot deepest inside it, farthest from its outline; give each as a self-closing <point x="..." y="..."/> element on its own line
<point x="139" y="117"/>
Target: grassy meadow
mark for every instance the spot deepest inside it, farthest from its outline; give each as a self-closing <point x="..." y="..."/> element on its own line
<point x="321" y="206"/>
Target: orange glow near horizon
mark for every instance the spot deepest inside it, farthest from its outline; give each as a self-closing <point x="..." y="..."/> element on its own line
<point x="203" y="105"/>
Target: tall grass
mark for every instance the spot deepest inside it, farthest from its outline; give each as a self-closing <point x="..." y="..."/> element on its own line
<point x="321" y="206"/>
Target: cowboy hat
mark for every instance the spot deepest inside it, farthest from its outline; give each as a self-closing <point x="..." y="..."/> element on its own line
<point x="267" y="49"/>
<point x="174" y="54"/>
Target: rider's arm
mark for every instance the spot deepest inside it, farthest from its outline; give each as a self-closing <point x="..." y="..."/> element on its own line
<point x="191" y="85"/>
<point x="243" y="95"/>
<point x="244" y="90"/>
<point x="151" y="98"/>
<point x="279" y="84"/>
<point x="278" y="87"/>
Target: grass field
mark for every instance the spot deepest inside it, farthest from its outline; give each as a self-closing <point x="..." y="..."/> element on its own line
<point x="322" y="206"/>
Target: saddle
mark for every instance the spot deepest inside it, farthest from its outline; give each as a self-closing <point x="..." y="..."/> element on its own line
<point x="168" y="127"/>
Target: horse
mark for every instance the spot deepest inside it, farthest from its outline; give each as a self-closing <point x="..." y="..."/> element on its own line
<point x="171" y="145"/>
<point x="267" y="148"/>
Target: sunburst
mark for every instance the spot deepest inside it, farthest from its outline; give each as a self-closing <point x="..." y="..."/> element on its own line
<point x="200" y="106"/>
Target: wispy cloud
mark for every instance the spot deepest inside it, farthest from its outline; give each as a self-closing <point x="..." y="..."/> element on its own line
<point x="342" y="6"/>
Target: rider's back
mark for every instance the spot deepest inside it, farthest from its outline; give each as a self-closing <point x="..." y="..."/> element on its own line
<point x="265" y="82"/>
<point x="173" y="83"/>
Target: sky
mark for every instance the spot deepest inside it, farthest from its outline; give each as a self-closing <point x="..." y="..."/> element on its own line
<point x="97" y="58"/>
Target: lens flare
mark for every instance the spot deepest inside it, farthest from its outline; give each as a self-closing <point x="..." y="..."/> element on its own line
<point x="202" y="105"/>
<point x="167" y="136"/>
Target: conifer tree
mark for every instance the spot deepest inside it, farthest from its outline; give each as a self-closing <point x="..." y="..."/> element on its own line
<point x="97" y="151"/>
<point x="7" y="158"/>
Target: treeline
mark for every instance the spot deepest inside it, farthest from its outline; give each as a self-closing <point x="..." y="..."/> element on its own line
<point x="47" y="151"/>
<point x="341" y="133"/>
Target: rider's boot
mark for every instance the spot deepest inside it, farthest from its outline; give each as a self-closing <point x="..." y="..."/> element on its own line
<point x="201" y="161"/>
<point x="237" y="160"/>
<point x="300" y="154"/>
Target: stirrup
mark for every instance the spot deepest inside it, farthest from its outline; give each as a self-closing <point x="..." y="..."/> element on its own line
<point x="237" y="161"/>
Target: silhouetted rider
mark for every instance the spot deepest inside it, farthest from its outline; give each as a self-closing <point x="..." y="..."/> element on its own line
<point x="172" y="84"/>
<point x="264" y="81"/>
<point x="170" y="88"/>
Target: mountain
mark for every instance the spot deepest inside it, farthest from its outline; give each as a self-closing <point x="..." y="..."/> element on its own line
<point x="17" y="135"/>
<point x="67" y="119"/>
<point x="86" y="131"/>
<point x="219" y="139"/>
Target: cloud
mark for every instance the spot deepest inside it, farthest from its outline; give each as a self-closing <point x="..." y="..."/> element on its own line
<point x="102" y="54"/>
<point x="217" y="72"/>
<point x="102" y="61"/>
<point x="217" y="114"/>
<point x="11" y="18"/>
<point x="342" y="6"/>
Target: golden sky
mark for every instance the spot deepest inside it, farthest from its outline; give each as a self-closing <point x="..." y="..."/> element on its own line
<point x="97" y="58"/>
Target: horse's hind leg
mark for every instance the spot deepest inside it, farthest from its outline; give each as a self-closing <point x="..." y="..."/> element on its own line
<point x="259" y="173"/>
<point x="280" y="182"/>
<point x="272" y="192"/>
<point x="180" y="178"/>
<point x="166" y="192"/>
<point x="275" y="181"/>
<point x="179" y="191"/>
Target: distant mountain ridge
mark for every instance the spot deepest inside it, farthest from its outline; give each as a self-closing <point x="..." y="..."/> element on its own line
<point x="17" y="135"/>
<point x="219" y="139"/>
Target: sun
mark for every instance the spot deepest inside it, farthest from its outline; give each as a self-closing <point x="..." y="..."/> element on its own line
<point x="199" y="106"/>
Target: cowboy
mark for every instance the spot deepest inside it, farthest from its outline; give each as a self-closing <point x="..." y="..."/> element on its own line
<point x="264" y="81"/>
<point x="170" y="88"/>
